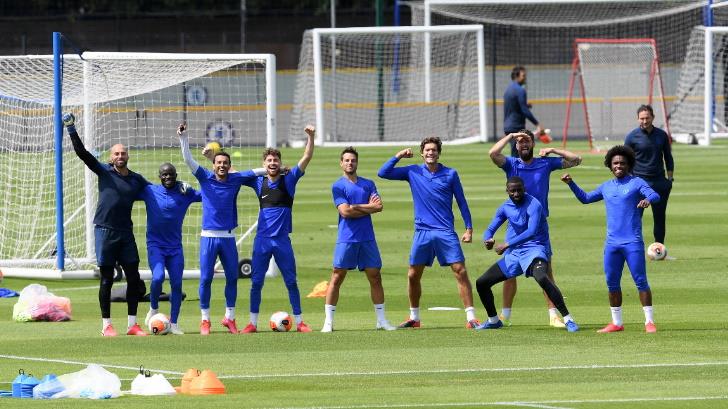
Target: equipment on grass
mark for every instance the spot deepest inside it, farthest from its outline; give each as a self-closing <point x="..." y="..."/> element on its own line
<point x="159" y="324"/>
<point x="136" y="99"/>
<point x="656" y="251"/>
<point x="544" y="136"/>
<point x="281" y="322"/>
<point x="390" y="85"/>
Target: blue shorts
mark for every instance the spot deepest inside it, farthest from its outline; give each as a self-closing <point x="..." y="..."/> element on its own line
<point x="278" y="247"/>
<point x="164" y="258"/>
<point x="614" y="258"/>
<point x="115" y="246"/>
<point x="363" y="255"/>
<point x="445" y="244"/>
<point x="518" y="261"/>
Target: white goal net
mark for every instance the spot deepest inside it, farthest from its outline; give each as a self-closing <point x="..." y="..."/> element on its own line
<point x="380" y="85"/>
<point x="134" y="99"/>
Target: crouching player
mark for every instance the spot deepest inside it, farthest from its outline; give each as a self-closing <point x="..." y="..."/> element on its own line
<point x="525" y="251"/>
<point x="625" y="197"/>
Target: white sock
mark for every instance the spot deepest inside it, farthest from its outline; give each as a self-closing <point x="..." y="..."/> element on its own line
<point x="648" y="314"/>
<point x="105" y="322"/>
<point x="415" y="313"/>
<point x="173" y="325"/>
<point x="152" y="311"/>
<point x="230" y="313"/>
<point x="616" y="315"/>
<point x="254" y="318"/>
<point x="298" y="318"/>
<point x="506" y="313"/>
<point x="130" y="320"/>
<point x="470" y="313"/>
<point x="568" y="318"/>
<point x="205" y="314"/>
<point x="329" y="311"/>
<point x="493" y="320"/>
<point x="553" y="312"/>
<point x="379" y="310"/>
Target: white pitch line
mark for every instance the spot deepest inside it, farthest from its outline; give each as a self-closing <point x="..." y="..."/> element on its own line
<point x="63" y="361"/>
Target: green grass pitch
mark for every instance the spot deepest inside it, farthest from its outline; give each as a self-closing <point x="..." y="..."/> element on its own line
<point x="442" y="364"/>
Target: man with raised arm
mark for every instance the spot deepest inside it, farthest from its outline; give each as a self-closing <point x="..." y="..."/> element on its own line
<point x="433" y="187"/>
<point x="167" y="204"/>
<point x="114" y="237"/>
<point x="625" y="198"/>
<point x="356" y="198"/>
<point x="275" y="192"/>
<point x="219" y="189"/>
<point x="535" y="173"/>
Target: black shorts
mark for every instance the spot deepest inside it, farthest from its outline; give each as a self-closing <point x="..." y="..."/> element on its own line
<point x="115" y="246"/>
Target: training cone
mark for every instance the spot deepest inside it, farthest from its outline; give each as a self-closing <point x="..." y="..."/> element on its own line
<point x="319" y="290"/>
<point x="191" y="374"/>
<point x="206" y="384"/>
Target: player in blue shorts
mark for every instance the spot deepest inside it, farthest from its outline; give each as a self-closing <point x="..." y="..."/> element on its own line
<point x="535" y="172"/>
<point x="525" y="250"/>
<point x="433" y="187"/>
<point x="356" y="199"/>
<point x="166" y="208"/>
<point x="219" y="189"/>
<point x="275" y="193"/>
<point x="625" y="197"/>
<point x="114" y="238"/>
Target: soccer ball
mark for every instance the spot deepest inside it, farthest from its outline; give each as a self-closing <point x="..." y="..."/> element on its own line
<point x="656" y="251"/>
<point x="159" y="324"/>
<point x="214" y="147"/>
<point x="281" y="322"/>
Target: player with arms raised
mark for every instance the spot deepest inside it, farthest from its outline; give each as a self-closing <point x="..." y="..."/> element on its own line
<point x="625" y="197"/>
<point x="524" y="251"/>
<point x="535" y="173"/>
<point x="433" y="187"/>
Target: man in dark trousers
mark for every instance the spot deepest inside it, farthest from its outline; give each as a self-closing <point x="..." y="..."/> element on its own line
<point x="516" y="108"/>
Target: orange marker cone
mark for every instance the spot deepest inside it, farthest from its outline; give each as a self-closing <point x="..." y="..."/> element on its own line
<point x="191" y="374"/>
<point x="206" y="384"/>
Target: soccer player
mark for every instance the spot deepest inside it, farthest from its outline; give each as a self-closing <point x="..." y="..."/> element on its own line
<point x="219" y="189"/>
<point x="653" y="163"/>
<point x="524" y="251"/>
<point x="166" y="208"/>
<point x="115" y="243"/>
<point x="433" y="187"/>
<point x="356" y="199"/>
<point x="535" y="173"/>
<point x="625" y="197"/>
<point x="275" y="193"/>
<point x="516" y="108"/>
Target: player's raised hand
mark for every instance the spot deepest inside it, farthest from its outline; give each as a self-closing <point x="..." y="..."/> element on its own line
<point x="181" y="128"/>
<point x="467" y="236"/>
<point x="566" y="178"/>
<point x="68" y="119"/>
<point x="310" y="130"/>
<point x="184" y="187"/>
<point x="489" y="243"/>
<point x="404" y="153"/>
<point x="643" y="204"/>
<point x="545" y="152"/>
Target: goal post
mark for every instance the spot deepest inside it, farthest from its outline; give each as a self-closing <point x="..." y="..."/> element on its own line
<point x="136" y="99"/>
<point x="615" y="76"/>
<point x="370" y="85"/>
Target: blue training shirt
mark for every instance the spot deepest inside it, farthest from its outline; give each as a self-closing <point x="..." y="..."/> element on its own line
<point x="650" y="150"/>
<point x="276" y="221"/>
<point x="526" y="223"/>
<point x="624" y="218"/>
<point x="432" y="194"/>
<point x="219" y="198"/>
<point x="355" y="229"/>
<point x="166" y="209"/>
<point x="515" y="108"/>
<point x="535" y="176"/>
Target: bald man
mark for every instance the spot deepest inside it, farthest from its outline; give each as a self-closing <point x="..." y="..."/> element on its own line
<point x="118" y="188"/>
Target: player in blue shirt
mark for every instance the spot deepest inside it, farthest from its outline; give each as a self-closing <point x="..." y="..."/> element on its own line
<point x="433" y="187"/>
<point x="625" y="197"/>
<point x="356" y="199"/>
<point x="166" y="208"/>
<point x="275" y="193"/>
<point x="653" y="162"/>
<point x="535" y="173"/>
<point x="525" y="250"/>
<point x="516" y="108"/>
<point x="219" y="189"/>
<point x="114" y="238"/>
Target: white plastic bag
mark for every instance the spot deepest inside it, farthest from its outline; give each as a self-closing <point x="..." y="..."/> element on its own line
<point x="94" y="382"/>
